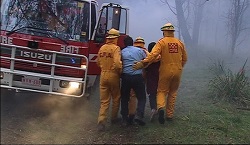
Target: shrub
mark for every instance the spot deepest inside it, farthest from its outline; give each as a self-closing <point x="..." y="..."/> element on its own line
<point x="229" y="86"/>
<point x="217" y="68"/>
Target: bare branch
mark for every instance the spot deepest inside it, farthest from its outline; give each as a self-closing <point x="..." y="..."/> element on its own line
<point x="235" y="23"/>
<point x="170" y="7"/>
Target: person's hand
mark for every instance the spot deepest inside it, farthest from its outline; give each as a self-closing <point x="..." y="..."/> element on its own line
<point x="138" y="65"/>
<point x="158" y="58"/>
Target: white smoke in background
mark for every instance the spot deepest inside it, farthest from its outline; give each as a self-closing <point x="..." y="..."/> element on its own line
<point x="146" y="19"/>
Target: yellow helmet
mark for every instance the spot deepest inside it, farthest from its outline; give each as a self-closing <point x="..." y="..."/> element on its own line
<point x="139" y="40"/>
<point x="113" y="33"/>
<point x="167" y="27"/>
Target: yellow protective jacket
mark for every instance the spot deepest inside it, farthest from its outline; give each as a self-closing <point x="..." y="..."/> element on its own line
<point x="109" y="58"/>
<point x="173" y="58"/>
<point x="172" y="51"/>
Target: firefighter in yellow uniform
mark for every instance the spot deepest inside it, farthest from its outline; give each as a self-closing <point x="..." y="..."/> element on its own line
<point x="139" y="42"/>
<point x="173" y="58"/>
<point x="109" y="60"/>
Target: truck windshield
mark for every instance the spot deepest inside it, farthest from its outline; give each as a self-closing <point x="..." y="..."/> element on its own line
<point x="66" y="19"/>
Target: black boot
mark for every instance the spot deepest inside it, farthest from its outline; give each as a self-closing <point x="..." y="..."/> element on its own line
<point x="124" y="122"/>
<point x="131" y="119"/>
<point x="161" y="118"/>
<point x="139" y="121"/>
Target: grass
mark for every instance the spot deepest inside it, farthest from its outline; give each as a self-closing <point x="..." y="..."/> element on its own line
<point x="230" y="86"/>
<point x="198" y="119"/>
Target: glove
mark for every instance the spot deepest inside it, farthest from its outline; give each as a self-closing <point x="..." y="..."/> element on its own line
<point x="138" y="65"/>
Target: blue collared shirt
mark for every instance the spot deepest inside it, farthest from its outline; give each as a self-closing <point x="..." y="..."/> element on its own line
<point x="130" y="55"/>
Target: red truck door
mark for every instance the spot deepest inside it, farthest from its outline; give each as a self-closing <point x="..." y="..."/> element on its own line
<point x="111" y="16"/>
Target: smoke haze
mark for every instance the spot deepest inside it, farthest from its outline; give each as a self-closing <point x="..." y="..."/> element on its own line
<point x="146" y="17"/>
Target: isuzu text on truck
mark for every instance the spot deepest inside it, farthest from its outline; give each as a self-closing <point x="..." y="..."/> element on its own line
<point x="51" y="46"/>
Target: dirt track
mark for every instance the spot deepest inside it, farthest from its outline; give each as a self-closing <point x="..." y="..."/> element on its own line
<point x="32" y="118"/>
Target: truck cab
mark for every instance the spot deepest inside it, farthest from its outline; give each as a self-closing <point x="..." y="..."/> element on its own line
<point x="51" y="46"/>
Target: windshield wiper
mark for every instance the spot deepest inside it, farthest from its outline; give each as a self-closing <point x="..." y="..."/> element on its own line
<point x="46" y="31"/>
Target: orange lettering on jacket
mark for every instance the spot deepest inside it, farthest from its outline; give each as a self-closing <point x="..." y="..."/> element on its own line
<point x="106" y="54"/>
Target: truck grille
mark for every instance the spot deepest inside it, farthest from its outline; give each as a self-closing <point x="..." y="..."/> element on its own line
<point x="41" y="68"/>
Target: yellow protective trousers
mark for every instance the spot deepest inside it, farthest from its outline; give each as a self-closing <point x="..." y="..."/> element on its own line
<point x="109" y="60"/>
<point x="109" y="89"/>
<point x="132" y="104"/>
<point x="173" y="58"/>
<point x="168" y="84"/>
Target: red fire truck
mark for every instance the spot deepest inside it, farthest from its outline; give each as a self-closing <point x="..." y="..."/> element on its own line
<point x="51" y="46"/>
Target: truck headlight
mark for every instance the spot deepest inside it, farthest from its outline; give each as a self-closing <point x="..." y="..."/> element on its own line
<point x="74" y="85"/>
<point x="2" y="75"/>
<point x="67" y="84"/>
<point x="83" y="66"/>
<point x="64" y="84"/>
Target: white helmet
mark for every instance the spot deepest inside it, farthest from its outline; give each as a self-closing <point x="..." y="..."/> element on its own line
<point x="167" y="27"/>
<point x="113" y="33"/>
<point x="139" y="40"/>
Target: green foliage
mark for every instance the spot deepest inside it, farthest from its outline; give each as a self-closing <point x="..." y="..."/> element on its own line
<point x="229" y="86"/>
<point x="197" y="119"/>
<point x="217" y="68"/>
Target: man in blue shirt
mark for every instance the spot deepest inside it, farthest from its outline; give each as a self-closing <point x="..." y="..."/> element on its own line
<point x="132" y="79"/>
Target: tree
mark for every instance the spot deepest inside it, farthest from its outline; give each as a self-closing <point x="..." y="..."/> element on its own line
<point x="235" y="22"/>
<point x="182" y="11"/>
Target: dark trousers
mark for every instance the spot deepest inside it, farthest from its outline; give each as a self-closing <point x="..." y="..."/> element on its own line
<point x="152" y="100"/>
<point x="135" y="82"/>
